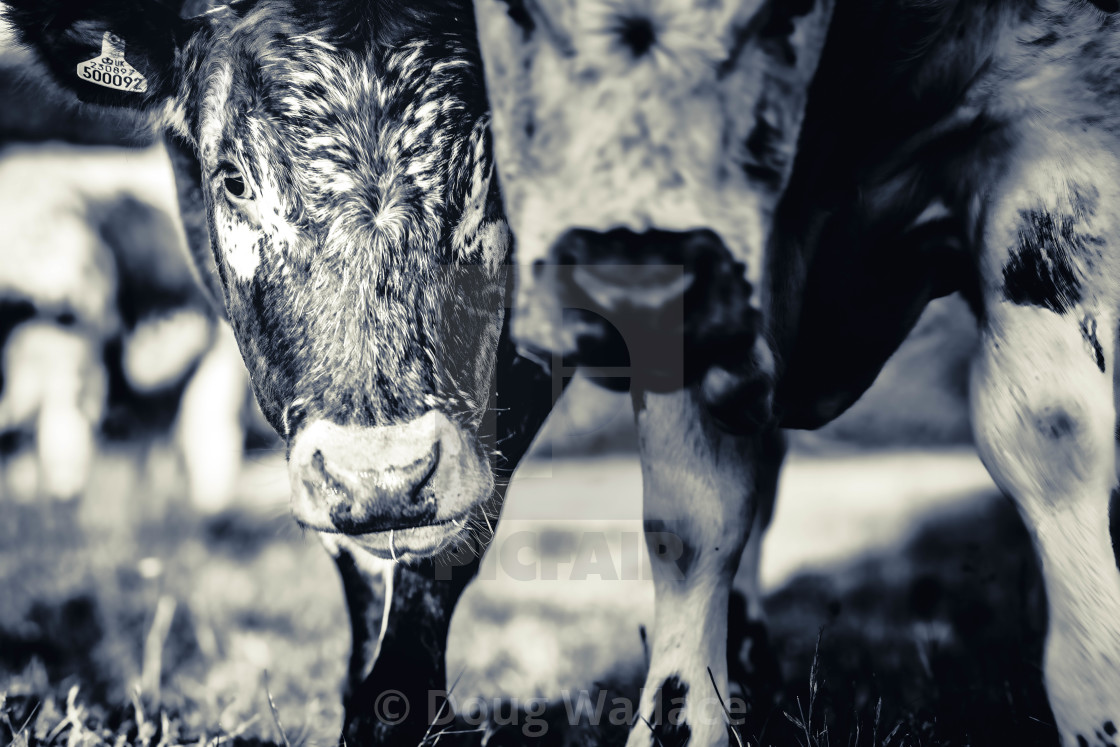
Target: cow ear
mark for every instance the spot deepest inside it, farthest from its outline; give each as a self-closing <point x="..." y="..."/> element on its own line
<point x="117" y="53"/>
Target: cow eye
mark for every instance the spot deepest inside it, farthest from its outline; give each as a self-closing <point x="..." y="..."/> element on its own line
<point x="237" y="188"/>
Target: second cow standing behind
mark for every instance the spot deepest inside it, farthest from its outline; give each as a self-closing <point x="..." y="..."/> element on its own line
<point x="971" y="146"/>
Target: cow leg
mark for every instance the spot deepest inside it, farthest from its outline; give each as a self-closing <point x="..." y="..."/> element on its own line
<point x="397" y="669"/>
<point x="399" y="619"/>
<point x="700" y="497"/>
<point x="1043" y="415"/>
<point x="752" y="662"/>
<point x="770" y="457"/>
<point x="209" y="431"/>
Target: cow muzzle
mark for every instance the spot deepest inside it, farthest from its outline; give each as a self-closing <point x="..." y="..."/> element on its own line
<point x="657" y="311"/>
<point x="403" y="489"/>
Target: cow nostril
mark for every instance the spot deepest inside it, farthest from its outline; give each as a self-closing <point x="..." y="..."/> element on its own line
<point x="360" y="501"/>
<point x="321" y="480"/>
<point x="360" y="480"/>
<point x="418" y="474"/>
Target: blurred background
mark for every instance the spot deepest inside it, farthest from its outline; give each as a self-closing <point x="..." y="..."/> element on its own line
<point x="151" y="581"/>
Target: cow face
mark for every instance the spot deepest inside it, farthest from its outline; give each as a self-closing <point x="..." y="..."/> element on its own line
<point x="647" y="135"/>
<point x="339" y="154"/>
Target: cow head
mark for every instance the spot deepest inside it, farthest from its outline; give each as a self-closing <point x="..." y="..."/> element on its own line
<point x="336" y="156"/>
<point x="643" y="146"/>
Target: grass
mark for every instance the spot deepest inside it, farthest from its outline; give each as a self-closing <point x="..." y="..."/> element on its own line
<point x="142" y="624"/>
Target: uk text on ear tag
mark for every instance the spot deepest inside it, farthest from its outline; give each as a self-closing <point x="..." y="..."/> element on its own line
<point x="110" y="69"/>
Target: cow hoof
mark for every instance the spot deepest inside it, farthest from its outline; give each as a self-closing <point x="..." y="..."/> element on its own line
<point x="752" y="663"/>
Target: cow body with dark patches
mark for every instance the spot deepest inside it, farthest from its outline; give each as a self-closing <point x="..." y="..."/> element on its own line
<point x="335" y="180"/>
<point x="643" y="148"/>
<point x="984" y="151"/>
<point x="1089" y="334"/>
<point x="945" y="146"/>
<point x="1043" y="268"/>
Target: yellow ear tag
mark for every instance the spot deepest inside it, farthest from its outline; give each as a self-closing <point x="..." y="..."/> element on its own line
<point x="109" y="69"/>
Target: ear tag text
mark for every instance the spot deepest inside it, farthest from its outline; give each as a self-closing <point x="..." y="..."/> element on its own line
<point x="110" y="69"/>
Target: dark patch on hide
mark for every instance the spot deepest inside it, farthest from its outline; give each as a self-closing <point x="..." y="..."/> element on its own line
<point x="1049" y="39"/>
<point x="667" y="723"/>
<point x="1056" y="425"/>
<point x="1041" y="271"/>
<point x="1089" y="334"/>
<point x="519" y="14"/>
<point x="637" y="34"/>
<point x="671" y="546"/>
<point x="769" y="162"/>
<point x="1108" y="6"/>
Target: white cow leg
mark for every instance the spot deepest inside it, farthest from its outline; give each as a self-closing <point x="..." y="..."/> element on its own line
<point x="1044" y="418"/>
<point x="65" y="443"/>
<point x="210" y="432"/>
<point x="700" y="498"/>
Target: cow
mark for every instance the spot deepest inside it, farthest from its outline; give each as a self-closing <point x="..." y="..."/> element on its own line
<point x="941" y="146"/>
<point x="103" y="331"/>
<point x="334" y="174"/>
<point x="643" y="149"/>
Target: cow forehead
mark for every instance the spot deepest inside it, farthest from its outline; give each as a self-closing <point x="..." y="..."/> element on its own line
<point x="675" y="114"/>
<point x="347" y="143"/>
<point x="291" y="91"/>
<point x="588" y="18"/>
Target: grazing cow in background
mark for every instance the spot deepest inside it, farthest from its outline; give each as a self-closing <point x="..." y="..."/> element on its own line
<point x="946" y="145"/>
<point x="104" y="332"/>
<point x="53" y="386"/>
<point x="334" y="171"/>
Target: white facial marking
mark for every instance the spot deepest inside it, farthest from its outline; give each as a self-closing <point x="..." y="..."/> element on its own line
<point x="241" y="249"/>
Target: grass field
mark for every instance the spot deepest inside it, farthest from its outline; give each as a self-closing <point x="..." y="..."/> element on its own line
<point x="125" y="618"/>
